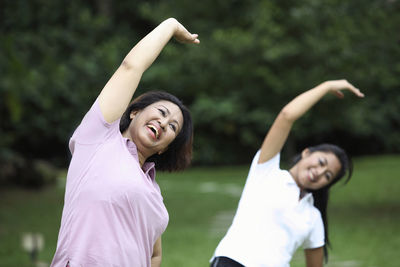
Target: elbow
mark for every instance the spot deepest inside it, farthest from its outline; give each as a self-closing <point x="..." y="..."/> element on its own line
<point x="128" y="65"/>
<point x="287" y="115"/>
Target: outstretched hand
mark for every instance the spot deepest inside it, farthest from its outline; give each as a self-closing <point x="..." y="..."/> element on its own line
<point x="337" y="86"/>
<point x="182" y="35"/>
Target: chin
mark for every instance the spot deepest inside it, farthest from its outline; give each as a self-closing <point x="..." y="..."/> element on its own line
<point x="307" y="187"/>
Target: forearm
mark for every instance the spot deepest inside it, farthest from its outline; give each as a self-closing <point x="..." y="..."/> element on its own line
<point x="296" y="108"/>
<point x="302" y="103"/>
<point x="280" y="129"/>
<point x="117" y="93"/>
<point x="143" y="54"/>
<point x="156" y="261"/>
<point x="157" y="254"/>
<point x="314" y="257"/>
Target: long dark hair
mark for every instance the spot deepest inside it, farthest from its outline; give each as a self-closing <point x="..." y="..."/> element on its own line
<point x="321" y="196"/>
<point x="179" y="153"/>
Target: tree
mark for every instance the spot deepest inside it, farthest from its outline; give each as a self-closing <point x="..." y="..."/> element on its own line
<point x="55" y="56"/>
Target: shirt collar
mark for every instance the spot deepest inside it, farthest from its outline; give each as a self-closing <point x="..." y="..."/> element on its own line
<point x="131" y="148"/>
<point x="149" y="168"/>
<point x="307" y="197"/>
<point x="290" y="180"/>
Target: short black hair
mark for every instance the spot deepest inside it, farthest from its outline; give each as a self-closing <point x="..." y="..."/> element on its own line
<point x="179" y="153"/>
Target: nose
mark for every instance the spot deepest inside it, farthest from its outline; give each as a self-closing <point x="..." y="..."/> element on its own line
<point x="163" y="123"/>
<point x="321" y="170"/>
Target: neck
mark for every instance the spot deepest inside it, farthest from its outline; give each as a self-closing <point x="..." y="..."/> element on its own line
<point x="142" y="159"/>
<point x="302" y="193"/>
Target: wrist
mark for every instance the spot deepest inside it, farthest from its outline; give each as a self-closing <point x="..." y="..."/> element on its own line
<point x="172" y="23"/>
<point x="324" y="86"/>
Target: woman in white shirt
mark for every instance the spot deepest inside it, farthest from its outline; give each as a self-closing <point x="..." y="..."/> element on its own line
<point x="281" y="210"/>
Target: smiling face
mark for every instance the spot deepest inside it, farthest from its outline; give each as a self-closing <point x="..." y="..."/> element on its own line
<point x="153" y="128"/>
<point x="315" y="170"/>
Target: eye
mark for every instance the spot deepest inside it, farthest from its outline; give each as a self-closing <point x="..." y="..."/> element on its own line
<point x="163" y="113"/>
<point x="328" y="176"/>
<point x="321" y="162"/>
<point x="173" y="127"/>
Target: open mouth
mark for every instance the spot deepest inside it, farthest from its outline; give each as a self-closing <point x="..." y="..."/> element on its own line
<point x="154" y="130"/>
<point x="311" y="176"/>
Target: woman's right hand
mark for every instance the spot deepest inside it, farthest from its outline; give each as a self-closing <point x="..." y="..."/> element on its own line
<point x="336" y="87"/>
<point x="182" y="35"/>
<point x="117" y="93"/>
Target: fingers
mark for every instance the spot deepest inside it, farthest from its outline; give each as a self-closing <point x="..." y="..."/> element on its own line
<point x="184" y="36"/>
<point x="337" y="86"/>
<point x="339" y="94"/>
<point x="195" y="38"/>
<point x="188" y="38"/>
<point x="355" y="90"/>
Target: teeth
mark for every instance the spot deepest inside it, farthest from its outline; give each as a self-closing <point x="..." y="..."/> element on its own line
<point x="312" y="176"/>
<point x="155" y="130"/>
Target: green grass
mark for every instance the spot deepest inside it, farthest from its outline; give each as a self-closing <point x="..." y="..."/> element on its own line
<point x="364" y="216"/>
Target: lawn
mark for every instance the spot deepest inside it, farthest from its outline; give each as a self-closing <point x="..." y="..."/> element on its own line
<point x="364" y="216"/>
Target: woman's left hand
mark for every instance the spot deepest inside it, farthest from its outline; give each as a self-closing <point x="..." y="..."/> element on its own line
<point x="337" y="86"/>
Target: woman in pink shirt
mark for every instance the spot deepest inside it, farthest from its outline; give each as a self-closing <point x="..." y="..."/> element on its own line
<point x="113" y="212"/>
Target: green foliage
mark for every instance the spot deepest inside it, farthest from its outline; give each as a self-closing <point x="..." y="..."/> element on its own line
<point x="259" y="55"/>
<point x="54" y="60"/>
<point x="254" y="57"/>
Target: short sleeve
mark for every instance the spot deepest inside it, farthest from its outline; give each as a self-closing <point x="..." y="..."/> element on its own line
<point x="316" y="237"/>
<point x="272" y="164"/>
<point x="93" y="128"/>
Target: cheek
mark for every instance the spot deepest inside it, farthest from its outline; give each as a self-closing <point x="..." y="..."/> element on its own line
<point x="324" y="183"/>
<point x="305" y="167"/>
<point x="171" y="138"/>
<point x="132" y="127"/>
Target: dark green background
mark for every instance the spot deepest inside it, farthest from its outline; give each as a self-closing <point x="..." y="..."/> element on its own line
<point x="254" y="56"/>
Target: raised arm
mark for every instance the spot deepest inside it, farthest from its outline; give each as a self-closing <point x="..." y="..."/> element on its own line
<point x="117" y="93"/>
<point x="279" y="131"/>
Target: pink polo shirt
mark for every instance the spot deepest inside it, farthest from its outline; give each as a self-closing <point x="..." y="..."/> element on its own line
<point x="113" y="209"/>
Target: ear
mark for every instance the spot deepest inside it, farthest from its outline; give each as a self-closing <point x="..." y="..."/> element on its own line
<point x="133" y="114"/>
<point x="305" y="153"/>
<point x="162" y="151"/>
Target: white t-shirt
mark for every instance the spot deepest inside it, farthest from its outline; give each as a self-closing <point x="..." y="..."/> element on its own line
<point x="271" y="223"/>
